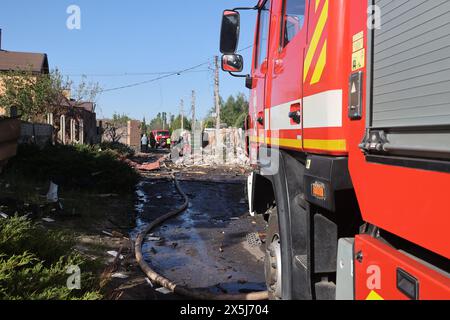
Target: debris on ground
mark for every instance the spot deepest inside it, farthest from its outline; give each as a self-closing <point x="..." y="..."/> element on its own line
<point x="52" y="195"/>
<point x="119" y="275"/>
<point x="49" y="220"/>
<point x="163" y="290"/>
<point x="149" y="166"/>
<point x="149" y="281"/>
<point x="115" y="254"/>
<point x="151" y="238"/>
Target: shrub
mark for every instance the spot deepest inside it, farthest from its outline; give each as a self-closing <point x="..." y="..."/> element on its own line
<point x="121" y="149"/>
<point x="34" y="262"/>
<point x="78" y="167"/>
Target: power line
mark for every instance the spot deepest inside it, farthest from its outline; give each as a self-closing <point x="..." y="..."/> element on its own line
<point x="168" y="75"/>
<point x="178" y="73"/>
<point x="129" y="74"/>
<point x="246" y="48"/>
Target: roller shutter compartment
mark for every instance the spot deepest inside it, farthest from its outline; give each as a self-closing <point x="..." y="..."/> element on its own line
<point x="411" y="64"/>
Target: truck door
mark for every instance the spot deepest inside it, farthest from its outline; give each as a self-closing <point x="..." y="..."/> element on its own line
<point x="286" y="74"/>
<point x="260" y="68"/>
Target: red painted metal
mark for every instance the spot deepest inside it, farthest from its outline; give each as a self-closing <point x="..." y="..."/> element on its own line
<point x="382" y="261"/>
<point x="410" y="203"/>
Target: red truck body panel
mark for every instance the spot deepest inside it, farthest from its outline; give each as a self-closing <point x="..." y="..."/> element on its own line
<point x="311" y="75"/>
<point x="376" y="274"/>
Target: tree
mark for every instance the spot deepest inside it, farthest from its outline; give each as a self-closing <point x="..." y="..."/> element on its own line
<point x="86" y="91"/>
<point x="120" y="119"/>
<point x="34" y="96"/>
<point x="159" y="122"/>
<point x="176" y="124"/>
<point x="31" y="95"/>
<point x="144" y="127"/>
<point x="233" y="112"/>
<point x="115" y="128"/>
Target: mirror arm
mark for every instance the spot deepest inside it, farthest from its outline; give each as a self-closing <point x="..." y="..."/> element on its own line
<point x="239" y="75"/>
<point x="246" y="8"/>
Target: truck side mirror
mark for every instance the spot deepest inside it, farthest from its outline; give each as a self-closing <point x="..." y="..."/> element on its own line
<point x="229" y="36"/>
<point x="232" y="63"/>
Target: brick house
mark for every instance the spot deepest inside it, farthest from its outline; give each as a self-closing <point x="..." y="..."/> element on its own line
<point x="10" y="127"/>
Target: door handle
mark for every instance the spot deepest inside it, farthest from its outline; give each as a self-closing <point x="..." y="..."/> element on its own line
<point x="260" y="118"/>
<point x="296" y="116"/>
<point x="264" y="66"/>
<point x="278" y="66"/>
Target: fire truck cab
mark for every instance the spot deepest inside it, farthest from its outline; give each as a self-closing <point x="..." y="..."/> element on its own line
<point x="351" y="100"/>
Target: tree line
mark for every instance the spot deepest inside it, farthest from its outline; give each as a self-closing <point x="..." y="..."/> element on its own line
<point x="233" y="113"/>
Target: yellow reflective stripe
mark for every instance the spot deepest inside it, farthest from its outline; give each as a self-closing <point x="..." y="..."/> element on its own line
<point x="374" y="296"/>
<point x="320" y="66"/>
<point x="317" y="4"/>
<point x="290" y="143"/>
<point x="326" y="145"/>
<point x="315" y="39"/>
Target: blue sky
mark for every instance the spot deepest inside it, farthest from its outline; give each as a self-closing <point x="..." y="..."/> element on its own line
<point x="135" y="36"/>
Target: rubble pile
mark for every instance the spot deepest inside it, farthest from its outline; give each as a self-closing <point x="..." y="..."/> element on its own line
<point x="223" y="147"/>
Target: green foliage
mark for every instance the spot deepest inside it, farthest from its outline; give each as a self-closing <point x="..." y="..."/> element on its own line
<point x="232" y="112"/>
<point x="34" y="262"/>
<point x="78" y="167"/>
<point x="19" y="235"/>
<point x="144" y="127"/>
<point x="36" y="95"/>
<point x="159" y="122"/>
<point x="121" y="149"/>
<point x="176" y="124"/>
<point x="120" y="119"/>
<point x="32" y="95"/>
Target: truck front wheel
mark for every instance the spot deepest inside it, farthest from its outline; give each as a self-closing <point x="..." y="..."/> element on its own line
<point x="273" y="268"/>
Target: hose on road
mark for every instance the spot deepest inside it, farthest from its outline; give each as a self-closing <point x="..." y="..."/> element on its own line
<point x="170" y="285"/>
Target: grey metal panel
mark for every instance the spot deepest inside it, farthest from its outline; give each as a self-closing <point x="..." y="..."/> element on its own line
<point x="345" y="270"/>
<point x="433" y="144"/>
<point x="411" y="64"/>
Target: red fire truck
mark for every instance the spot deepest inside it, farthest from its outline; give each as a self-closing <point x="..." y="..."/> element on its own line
<point x="352" y="99"/>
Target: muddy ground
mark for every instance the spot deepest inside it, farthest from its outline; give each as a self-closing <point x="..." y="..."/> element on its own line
<point x="213" y="245"/>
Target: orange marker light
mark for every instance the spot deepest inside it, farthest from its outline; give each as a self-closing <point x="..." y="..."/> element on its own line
<point x="318" y="190"/>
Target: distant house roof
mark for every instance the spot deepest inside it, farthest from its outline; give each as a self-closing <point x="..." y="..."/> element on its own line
<point x="23" y="61"/>
<point x="88" y="106"/>
<point x="67" y="103"/>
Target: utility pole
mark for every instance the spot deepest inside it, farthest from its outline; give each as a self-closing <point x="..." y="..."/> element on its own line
<point x="219" y="144"/>
<point x="193" y="110"/>
<point x="182" y="114"/>
<point x="194" y="142"/>
<point x="216" y="92"/>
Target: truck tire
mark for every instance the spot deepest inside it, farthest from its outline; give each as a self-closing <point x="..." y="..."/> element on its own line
<point x="272" y="265"/>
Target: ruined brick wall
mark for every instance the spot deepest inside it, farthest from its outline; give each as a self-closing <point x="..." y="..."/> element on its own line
<point x="2" y="90"/>
<point x="134" y="134"/>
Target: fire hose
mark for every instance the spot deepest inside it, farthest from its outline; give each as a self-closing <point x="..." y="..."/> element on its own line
<point x="170" y="285"/>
